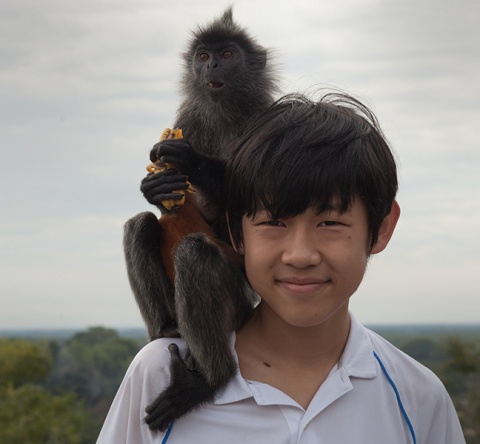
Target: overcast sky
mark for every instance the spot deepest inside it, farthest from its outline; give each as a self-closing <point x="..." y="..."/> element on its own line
<point x="88" y="86"/>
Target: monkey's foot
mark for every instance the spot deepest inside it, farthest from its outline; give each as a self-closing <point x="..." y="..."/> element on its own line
<point x="187" y="391"/>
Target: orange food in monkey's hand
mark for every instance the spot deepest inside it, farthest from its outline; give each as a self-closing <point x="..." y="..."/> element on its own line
<point x="157" y="167"/>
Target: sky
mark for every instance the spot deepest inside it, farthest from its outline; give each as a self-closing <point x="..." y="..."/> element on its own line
<point x="86" y="88"/>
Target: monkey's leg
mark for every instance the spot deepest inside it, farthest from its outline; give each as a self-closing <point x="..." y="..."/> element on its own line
<point x="150" y="285"/>
<point x="212" y="298"/>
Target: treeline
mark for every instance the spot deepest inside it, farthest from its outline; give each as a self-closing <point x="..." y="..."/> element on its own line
<point x="54" y="391"/>
<point x="457" y="363"/>
<point x="59" y="391"/>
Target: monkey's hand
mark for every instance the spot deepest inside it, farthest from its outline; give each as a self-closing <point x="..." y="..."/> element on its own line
<point x="203" y="172"/>
<point x="163" y="186"/>
<point x="187" y="390"/>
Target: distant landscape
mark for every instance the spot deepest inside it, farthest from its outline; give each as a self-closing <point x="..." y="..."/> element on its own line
<point x="63" y="333"/>
<point x="402" y="331"/>
<point x="56" y="385"/>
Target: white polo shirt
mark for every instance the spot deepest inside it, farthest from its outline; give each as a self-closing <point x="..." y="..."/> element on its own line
<point x="355" y="404"/>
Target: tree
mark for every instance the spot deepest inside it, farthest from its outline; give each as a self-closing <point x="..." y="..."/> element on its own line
<point x="23" y="362"/>
<point x="463" y="358"/>
<point x="93" y="363"/>
<point x="41" y="384"/>
<point x="28" y="412"/>
<point x="426" y="350"/>
<point x="462" y="378"/>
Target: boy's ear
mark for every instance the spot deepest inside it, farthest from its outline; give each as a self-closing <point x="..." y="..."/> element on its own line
<point x="387" y="228"/>
<point x="237" y="248"/>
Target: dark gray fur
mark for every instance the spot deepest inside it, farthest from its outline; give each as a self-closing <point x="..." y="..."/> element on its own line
<point x="211" y="296"/>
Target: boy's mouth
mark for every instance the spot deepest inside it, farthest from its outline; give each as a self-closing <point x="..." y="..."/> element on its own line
<point x="302" y="285"/>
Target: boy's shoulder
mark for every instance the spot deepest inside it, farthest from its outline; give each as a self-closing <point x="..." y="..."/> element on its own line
<point x="403" y="368"/>
<point x="155" y="357"/>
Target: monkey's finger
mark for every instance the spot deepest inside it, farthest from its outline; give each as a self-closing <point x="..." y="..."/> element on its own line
<point x="164" y="183"/>
<point x="163" y="188"/>
<point x="160" y="199"/>
<point x="170" y="144"/>
<point x="167" y="175"/>
<point x="166" y="172"/>
<point x="180" y="162"/>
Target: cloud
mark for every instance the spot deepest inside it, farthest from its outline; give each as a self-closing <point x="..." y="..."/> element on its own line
<point x="87" y="88"/>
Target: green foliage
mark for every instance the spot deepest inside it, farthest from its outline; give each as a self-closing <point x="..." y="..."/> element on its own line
<point x="427" y="351"/>
<point x="30" y="414"/>
<point x="41" y="384"/>
<point x="462" y="378"/>
<point x="23" y="362"/>
<point x="93" y="363"/>
<point x="463" y="357"/>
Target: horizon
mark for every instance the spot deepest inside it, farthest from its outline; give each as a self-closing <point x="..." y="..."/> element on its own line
<point x="446" y="326"/>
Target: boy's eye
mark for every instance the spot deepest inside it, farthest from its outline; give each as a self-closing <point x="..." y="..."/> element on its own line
<point x="273" y="223"/>
<point x="329" y="223"/>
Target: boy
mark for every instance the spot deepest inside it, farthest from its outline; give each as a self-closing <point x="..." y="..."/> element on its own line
<point x="311" y="195"/>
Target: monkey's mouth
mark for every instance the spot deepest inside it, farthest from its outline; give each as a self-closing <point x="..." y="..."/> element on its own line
<point x="215" y="85"/>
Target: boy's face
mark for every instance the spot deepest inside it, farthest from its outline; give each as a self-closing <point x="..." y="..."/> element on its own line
<point x="305" y="268"/>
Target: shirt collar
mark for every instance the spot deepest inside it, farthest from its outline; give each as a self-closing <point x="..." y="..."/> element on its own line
<point x="358" y="359"/>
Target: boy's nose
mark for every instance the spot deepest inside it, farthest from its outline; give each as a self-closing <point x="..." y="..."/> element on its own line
<point x="301" y="250"/>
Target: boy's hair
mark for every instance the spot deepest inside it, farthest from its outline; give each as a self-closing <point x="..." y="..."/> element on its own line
<point x="321" y="154"/>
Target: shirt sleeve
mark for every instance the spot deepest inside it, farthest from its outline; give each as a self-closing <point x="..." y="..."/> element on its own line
<point x="443" y="426"/>
<point x="146" y="377"/>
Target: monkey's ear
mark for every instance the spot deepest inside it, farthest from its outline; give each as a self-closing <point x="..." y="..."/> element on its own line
<point x="237" y="247"/>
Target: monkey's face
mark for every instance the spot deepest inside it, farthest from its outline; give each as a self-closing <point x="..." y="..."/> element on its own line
<point x="218" y="69"/>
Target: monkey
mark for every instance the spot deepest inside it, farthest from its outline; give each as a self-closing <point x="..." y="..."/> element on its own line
<point x="202" y="295"/>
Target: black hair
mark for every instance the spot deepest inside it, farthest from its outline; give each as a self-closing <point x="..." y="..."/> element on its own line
<point x="302" y="153"/>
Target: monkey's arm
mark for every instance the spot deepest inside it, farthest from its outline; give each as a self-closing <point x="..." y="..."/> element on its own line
<point x="203" y="172"/>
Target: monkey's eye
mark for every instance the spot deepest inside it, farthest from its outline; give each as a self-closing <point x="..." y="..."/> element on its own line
<point x="228" y="54"/>
<point x="203" y="56"/>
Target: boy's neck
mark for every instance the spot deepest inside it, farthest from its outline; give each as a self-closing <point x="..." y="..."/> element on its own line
<point x="272" y="333"/>
<point x="295" y="360"/>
